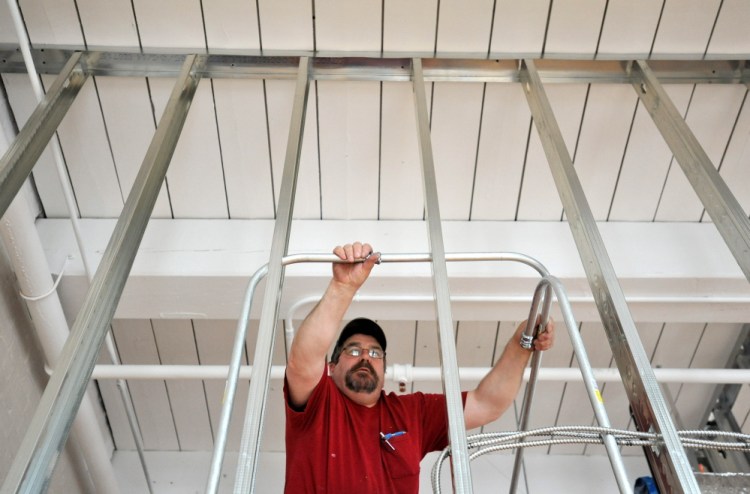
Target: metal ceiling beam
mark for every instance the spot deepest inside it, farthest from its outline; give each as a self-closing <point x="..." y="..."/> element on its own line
<point x="20" y="158"/>
<point x="725" y="211"/>
<point x="51" y="60"/>
<point x="247" y="464"/>
<point x="448" y="358"/>
<point x="669" y="462"/>
<point x="45" y="438"/>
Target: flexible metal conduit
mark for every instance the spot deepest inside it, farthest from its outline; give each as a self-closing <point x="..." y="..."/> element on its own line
<point x="241" y="332"/>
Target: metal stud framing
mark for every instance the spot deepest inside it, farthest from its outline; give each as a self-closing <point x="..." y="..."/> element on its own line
<point x="670" y="465"/>
<point x="46" y="435"/>
<point x="721" y="205"/>
<point x="32" y="469"/>
<point x="256" y="400"/>
<point x="21" y="156"/>
<point x="448" y="360"/>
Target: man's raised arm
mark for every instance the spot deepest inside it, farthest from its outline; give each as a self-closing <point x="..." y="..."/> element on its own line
<point x="318" y="331"/>
<point x="497" y="390"/>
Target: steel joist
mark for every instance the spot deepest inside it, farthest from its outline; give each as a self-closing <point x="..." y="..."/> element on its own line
<point x="669" y="463"/>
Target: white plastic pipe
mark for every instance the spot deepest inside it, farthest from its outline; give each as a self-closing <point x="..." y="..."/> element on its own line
<point x="407" y="373"/>
<point x="29" y="262"/>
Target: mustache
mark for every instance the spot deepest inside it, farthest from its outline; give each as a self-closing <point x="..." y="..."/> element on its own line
<point x="363" y="364"/>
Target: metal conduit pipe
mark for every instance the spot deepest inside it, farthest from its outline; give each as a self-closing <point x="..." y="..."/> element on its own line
<point x="408" y="373"/>
<point x="29" y="262"/>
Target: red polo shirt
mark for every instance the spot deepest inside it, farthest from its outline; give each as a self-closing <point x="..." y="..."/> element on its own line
<point x="333" y="445"/>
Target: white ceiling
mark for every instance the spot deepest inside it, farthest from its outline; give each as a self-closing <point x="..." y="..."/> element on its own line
<point x="360" y="163"/>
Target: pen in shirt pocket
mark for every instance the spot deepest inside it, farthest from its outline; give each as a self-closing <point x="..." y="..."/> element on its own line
<point x="386" y="438"/>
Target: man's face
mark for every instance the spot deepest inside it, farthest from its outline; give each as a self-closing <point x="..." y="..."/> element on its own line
<point x="359" y="377"/>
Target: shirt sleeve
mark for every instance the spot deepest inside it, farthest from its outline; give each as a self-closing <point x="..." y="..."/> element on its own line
<point x="300" y="416"/>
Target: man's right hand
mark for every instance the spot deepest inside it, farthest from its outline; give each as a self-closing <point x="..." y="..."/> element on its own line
<point x="353" y="274"/>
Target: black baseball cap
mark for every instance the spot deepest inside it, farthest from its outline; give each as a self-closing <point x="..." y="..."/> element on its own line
<point x="361" y="325"/>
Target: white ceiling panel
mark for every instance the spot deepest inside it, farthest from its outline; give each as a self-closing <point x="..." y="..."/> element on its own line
<point x="286" y="25"/>
<point x="170" y="24"/>
<point x="570" y="32"/>
<point x="214" y="340"/>
<point x="51" y="22"/>
<point x="401" y="338"/>
<point x="673" y="336"/>
<point x="22" y="103"/>
<point x="645" y="165"/>
<point x="629" y="28"/>
<point x="464" y="27"/>
<point x="348" y="25"/>
<point x="539" y="197"/>
<point x="83" y="139"/>
<point x="734" y="168"/>
<point x="7" y="29"/>
<point x="176" y="342"/>
<point x="280" y="99"/>
<point x="734" y="18"/>
<point x="427" y="354"/>
<point x="685" y="27"/>
<point x="136" y="345"/>
<point x="711" y="117"/>
<point x="456" y="108"/>
<point x="409" y="26"/>
<point x="502" y="148"/>
<point x="108" y="23"/>
<point x="519" y="28"/>
<point x="601" y="147"/>
<point x="231" y="25"/>
<point x="126" y="106"/>
<point x="712" y="352"/>
<point x="195" y="177"/>
<point x="349" y="120"/>
<point x="401" y="194"/>
<point x="241" y="116"/>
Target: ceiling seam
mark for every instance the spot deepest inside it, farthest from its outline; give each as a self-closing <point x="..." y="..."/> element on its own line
<point x="317" y="142"/>
<point x="546" y="28"/>
<point x="713" y="28"/>
<point x="270" y="154"/>
<point x="729" y="141"/>
<point x="492" y="28"/>
<point x="672" y="159"/>
<point x="523" y="168"/>
<point x="203" y="382"/>
<point x="380" y="145"/>
<point x="314" y="32"/>
<point x="622" y="160"/>
<point x="601" y="28"/>
<point x="476" y="153"/>
<point x="437" y="28"/>
<point x="656" y="29"/>
<point x="260" y="33"/>
<point x="216" y="119"/>
<point x="166" y="386"/>
<point x="578" y="136"/>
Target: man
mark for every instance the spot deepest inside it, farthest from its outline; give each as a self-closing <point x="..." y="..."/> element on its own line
<point x="343" y="434"/>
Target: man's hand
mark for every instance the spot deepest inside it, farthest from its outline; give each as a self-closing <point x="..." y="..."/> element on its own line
<point x="544" y="339"/>
<point x="353" y="274"/>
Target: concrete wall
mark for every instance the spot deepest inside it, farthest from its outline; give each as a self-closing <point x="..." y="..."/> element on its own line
<point x="22" y="381"/>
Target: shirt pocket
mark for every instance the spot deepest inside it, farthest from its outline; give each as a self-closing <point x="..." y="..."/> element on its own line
<point x="403" y="460"/>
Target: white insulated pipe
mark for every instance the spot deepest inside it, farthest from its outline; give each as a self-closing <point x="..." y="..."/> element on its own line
<point x="407" y="373"/>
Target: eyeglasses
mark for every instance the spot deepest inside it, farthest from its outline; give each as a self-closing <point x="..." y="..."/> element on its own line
<point x="357" y="351"/>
